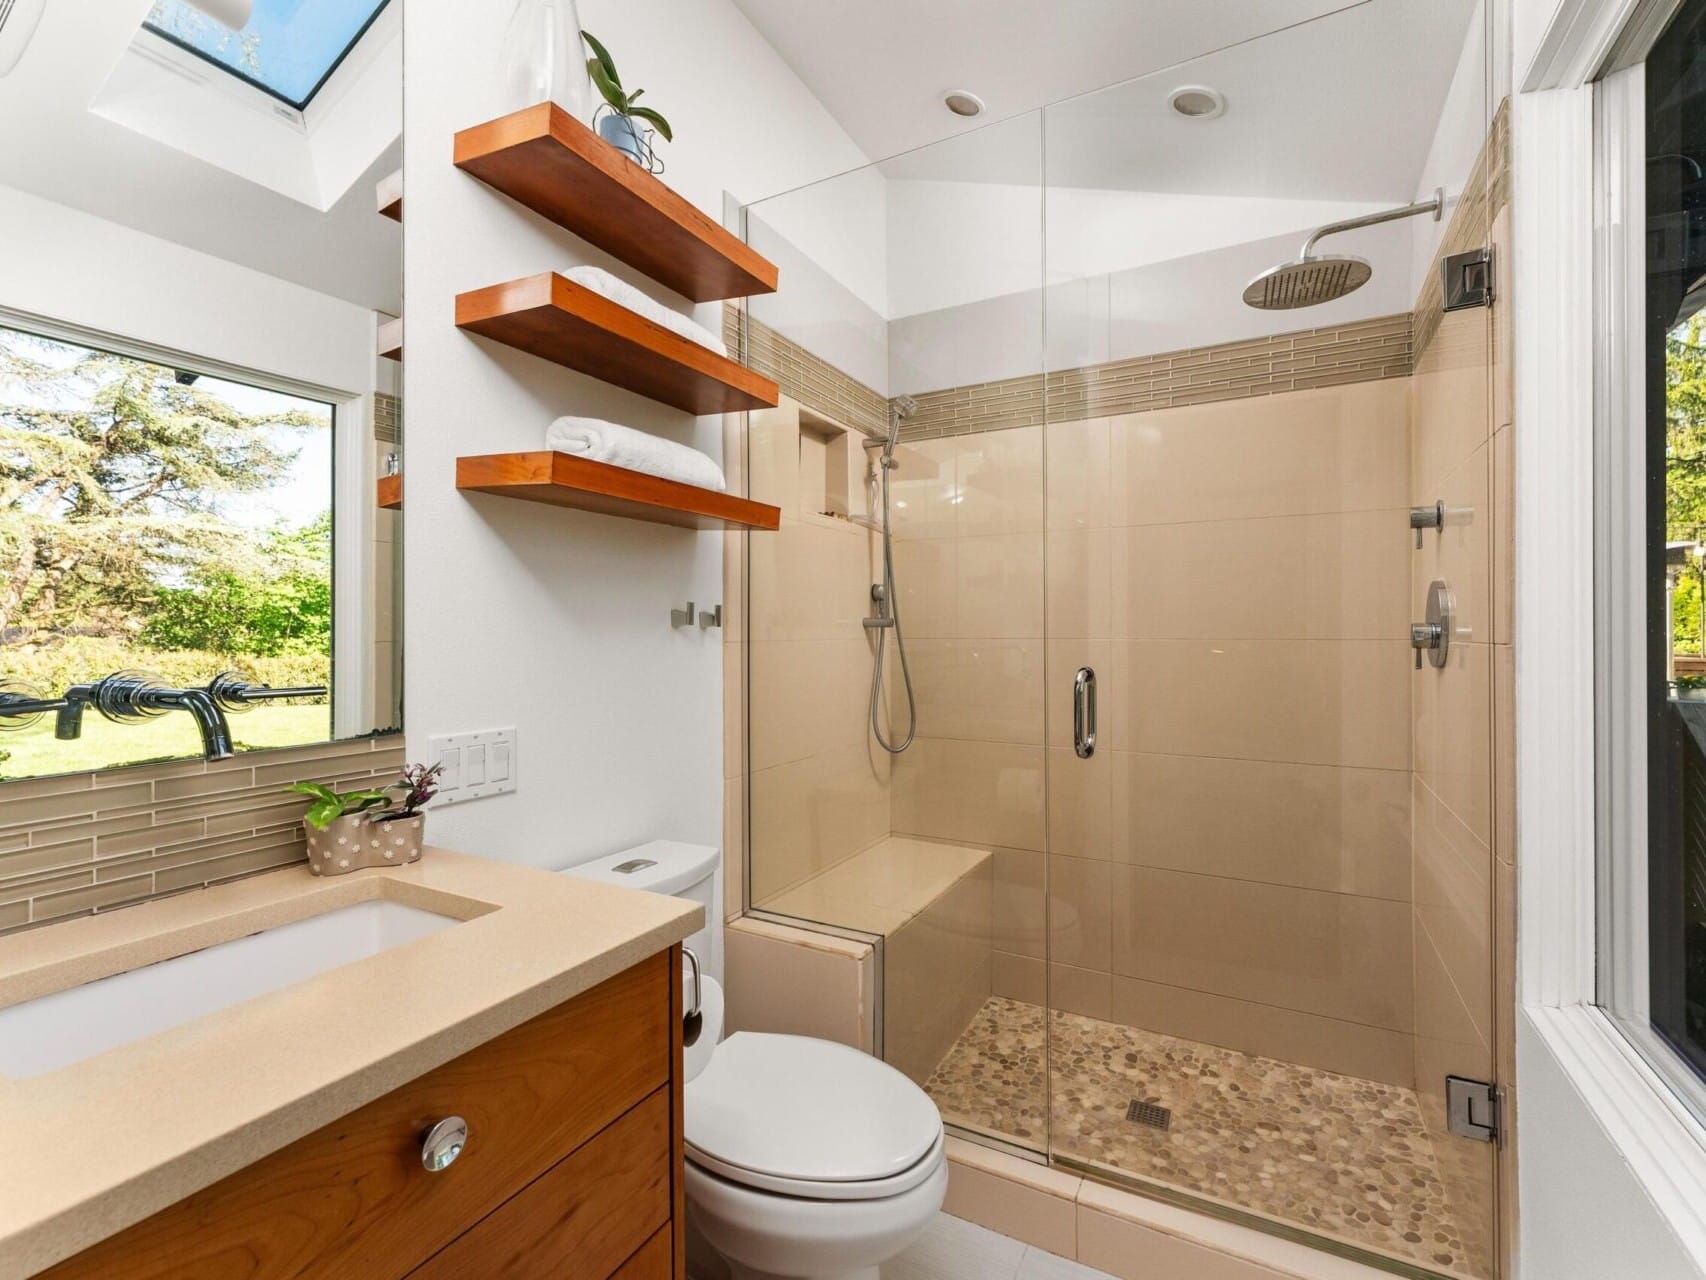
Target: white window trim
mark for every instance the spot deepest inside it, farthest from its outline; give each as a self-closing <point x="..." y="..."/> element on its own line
<point x="1564" y="357"/>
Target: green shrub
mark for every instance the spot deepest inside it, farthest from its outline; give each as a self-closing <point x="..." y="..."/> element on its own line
<point x="80" y="659"/>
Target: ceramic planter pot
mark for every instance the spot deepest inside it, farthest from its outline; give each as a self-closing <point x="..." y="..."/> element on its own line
<point x="356" y="841"/>
<point x="623" y="134"/>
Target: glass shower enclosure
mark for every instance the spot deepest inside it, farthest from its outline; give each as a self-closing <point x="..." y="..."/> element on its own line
<point x="1184" y="879"/>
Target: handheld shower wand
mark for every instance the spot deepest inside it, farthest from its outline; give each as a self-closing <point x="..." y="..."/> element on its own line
<point x="883" y="595"/>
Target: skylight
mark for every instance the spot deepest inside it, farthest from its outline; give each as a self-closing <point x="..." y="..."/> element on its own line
<point x="289" y="48"/>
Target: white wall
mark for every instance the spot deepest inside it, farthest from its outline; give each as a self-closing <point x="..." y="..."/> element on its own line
<point x="1457" y="141"/>
<point x="82" y="270"/>
<point x="555" y="621"/>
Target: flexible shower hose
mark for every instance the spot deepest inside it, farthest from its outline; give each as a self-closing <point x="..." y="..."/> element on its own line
<point x="893" y="605"/>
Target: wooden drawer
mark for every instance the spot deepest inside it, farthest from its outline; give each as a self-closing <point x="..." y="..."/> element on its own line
<point x="352" y="1200"/>
<point x="584" y="1217"/>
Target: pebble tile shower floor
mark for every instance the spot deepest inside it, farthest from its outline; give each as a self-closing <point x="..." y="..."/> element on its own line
<point x="1335" y="1155"/>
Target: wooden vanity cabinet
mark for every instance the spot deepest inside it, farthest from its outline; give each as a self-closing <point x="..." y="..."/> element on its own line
<point x="572" y="1167"/>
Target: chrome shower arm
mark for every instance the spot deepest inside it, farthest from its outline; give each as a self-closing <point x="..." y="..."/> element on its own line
<point x="1435" y="206"/>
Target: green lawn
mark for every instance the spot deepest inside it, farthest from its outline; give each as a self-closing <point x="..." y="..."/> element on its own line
<point x="36" y="752"/>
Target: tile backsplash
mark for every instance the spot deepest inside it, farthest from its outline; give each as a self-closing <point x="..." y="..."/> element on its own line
<point x="87" y="842"/>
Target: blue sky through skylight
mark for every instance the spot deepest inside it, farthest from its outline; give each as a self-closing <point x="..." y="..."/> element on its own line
<point x="288" y="48"/>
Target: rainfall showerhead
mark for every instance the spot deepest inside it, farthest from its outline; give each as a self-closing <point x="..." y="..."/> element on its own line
<point x="1308" y="282"/>
<point x="1312" y="279"/>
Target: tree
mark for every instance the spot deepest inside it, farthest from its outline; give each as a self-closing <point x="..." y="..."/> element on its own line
<point x="1685" y="462"/>
<point x="111" y="472"/>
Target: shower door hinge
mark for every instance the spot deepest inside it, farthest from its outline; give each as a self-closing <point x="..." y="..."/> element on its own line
<point x="1466" y="279"/>
<point x="1473" y="1108"/>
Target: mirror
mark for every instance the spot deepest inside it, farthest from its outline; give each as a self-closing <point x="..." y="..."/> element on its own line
<point x="198" y="421"/>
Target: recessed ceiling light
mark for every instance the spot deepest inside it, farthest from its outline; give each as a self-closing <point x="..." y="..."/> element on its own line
<point x="962" y="102"/>
<point x="1197" y="102"/>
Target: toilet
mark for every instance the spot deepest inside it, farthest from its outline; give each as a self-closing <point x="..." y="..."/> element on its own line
<point x="805" y="1159"/>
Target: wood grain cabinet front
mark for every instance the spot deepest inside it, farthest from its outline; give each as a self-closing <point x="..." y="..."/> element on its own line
<point x="572" y="1167"/>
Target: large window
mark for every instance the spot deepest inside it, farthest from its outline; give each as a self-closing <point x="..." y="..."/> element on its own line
<point x="157" y="520"/>
<point x="1675" y="399"/>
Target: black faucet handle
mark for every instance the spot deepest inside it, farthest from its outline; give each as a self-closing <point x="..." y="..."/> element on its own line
<point x="232" y="693"/>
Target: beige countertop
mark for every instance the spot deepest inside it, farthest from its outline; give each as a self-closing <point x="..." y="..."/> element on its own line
<point x="89" y="1149"/>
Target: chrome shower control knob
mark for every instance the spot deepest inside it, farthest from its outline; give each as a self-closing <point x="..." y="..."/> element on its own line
<point x="443" y="1143"/>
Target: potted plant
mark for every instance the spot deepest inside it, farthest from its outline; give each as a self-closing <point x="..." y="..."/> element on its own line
<point x="618" y="127"/>
<point x="348" y="830"/>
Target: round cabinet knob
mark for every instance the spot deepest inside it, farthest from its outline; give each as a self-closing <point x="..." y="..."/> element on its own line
<point x="443" y="1143"/>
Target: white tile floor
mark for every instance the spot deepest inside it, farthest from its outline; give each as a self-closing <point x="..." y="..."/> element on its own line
<point x="955" y="1250"/>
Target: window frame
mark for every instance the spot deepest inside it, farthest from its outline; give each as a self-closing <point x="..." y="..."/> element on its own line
<point x="1572" y="355"/>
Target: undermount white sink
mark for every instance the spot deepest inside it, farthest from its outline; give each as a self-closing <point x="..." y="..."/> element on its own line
<point x="56" y="1030"/>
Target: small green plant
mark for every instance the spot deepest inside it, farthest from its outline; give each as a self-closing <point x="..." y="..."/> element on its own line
<point x="602" y="68"/>
<point x="331" y="805"/>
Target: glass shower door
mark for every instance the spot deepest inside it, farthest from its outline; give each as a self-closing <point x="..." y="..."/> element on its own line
<point x="1270" y="876"/>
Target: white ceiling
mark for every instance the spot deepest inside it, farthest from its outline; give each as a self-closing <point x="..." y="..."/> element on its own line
<point x="881" y="66"/>
<point x="67" y="154"/>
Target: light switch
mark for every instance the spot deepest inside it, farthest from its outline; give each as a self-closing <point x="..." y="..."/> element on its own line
<point x="475" y="764"/>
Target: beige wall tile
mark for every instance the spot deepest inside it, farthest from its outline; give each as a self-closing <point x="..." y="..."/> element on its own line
<point x="1454" y="904"/>
<point x="1335" y="449"/>
<point x="1083" y="991"/>
<point x="927" y="574"/>
<point x="981" y="793"/>
<point x="1335" y="576"/>
<point x="999" y="585"/>
<point x="1311" y="701"/>
<point x="773" y="457"/>
<point x="1018" y="978"/>
<point x="1453" y="734"/>
<point x="1079" y="924"/>
<point x="1035" y="1204"/>
<point x="1503" y="319"/>
<point x="1309" y="826"/>
<point x="810" y="814"/>
<point x="1330" y="1044"/>
<point x="1080" y="597"/>
<point x="1078" y="477"/>
<point x="809" y="581"/>
<point x="1020" y="921"/>
<point x="734" y="846"/>
<point x="1134" y="1252"/>
<point x="1329" y="954"/>
<point x="1504" y="754"/>
<point x="788" y="981"/>
<point x="1450" y="401"/>
<point x="922" y="490"/>
<point x="999" y="478"/>
<point x="1080" y="803"/>
<point x="808" y="696"/>
<point x="986" y="690"/>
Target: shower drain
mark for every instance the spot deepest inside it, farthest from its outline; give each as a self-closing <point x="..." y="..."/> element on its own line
<point x="1147" y="1113"/>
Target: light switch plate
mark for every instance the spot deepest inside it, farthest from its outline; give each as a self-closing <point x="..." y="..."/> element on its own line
<point x="476" y="765"/>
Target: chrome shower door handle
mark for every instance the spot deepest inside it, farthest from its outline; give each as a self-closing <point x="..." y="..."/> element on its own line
<point x="1084" y="713"/>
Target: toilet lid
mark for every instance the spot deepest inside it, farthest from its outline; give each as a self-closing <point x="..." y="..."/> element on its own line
<point x="794" y="1110"/>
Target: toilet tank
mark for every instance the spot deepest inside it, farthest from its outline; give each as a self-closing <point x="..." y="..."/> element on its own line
<point x="691" y="871"/>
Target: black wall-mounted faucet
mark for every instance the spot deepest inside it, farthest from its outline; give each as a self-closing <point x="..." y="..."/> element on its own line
<point x="126" y="697"/>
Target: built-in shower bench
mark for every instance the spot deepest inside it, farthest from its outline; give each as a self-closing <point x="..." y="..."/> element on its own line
<point x="932" y="905"/>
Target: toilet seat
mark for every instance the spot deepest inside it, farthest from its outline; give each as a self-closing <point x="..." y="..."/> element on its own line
<point x="810" y="1119"/>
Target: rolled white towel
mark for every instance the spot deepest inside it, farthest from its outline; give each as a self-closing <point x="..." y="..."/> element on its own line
<point x="602" y="441"/>
<point x="624" y="294"/>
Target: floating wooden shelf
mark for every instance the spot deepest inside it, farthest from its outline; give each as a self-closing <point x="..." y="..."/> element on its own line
<point x="388" y="195"/>
<point x="559" y="320"/>
<point x="563" y="480"/>
<point x="389" y="339"/>
<point x="391" y="492"/>
<point x="544" y="158"/>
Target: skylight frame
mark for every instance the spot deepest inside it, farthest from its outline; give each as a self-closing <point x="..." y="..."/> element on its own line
<point x="252" y="82"/>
